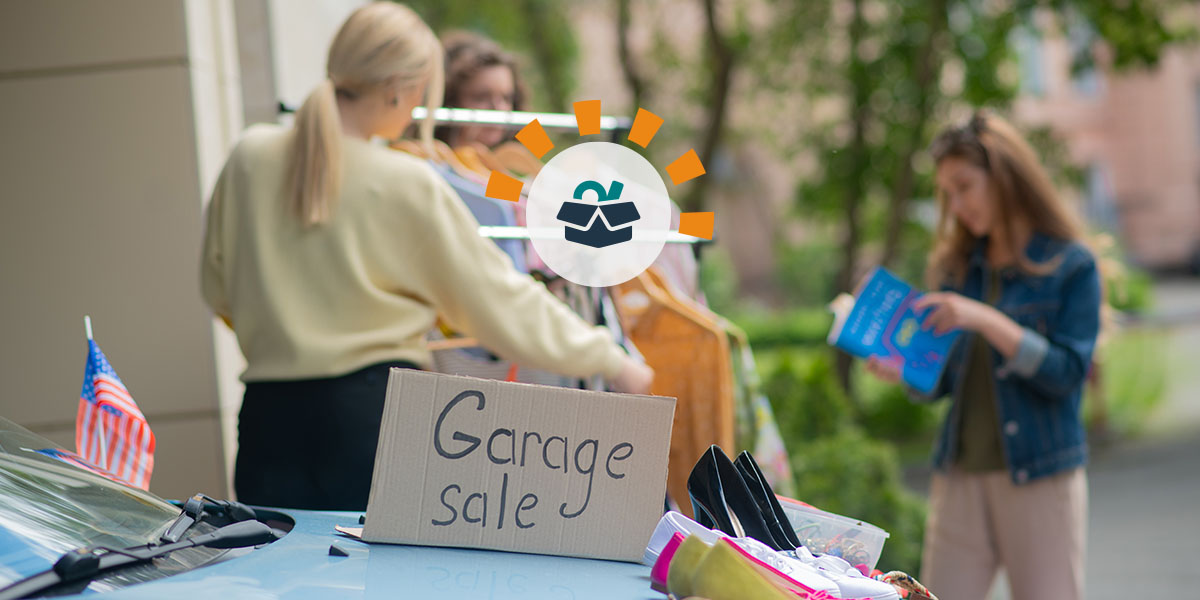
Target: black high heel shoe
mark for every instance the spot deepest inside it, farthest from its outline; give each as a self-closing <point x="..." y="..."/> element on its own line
<point x="776" y="519"/>
<point x="721" y="500"/>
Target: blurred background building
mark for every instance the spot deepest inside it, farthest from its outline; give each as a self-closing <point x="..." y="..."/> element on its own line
<point x="1136" y="137"/>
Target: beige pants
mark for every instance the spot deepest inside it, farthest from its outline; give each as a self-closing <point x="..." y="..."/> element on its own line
<point x="979" y="522"/>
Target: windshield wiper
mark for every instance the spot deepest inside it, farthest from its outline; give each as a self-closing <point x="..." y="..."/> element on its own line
<point x="87" y="563"/>
<point x="202" y="508"/>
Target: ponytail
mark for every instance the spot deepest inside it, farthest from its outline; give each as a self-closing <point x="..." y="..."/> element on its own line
<point x="382" y="44"/>
<point x="434" y="93"/>
<point x="314" y="164"/>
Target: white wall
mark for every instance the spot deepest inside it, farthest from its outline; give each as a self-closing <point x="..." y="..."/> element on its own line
<point x="115" y="118"/>
<point x="301" y="33"/>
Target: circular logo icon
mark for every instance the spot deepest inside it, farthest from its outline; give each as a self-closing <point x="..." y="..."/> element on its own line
<point x="598" y="214"/>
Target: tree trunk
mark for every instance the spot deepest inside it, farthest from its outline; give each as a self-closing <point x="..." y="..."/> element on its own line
<point x="858" y="163"/>
<point x="722" y="60"/>
<point x="548" y="61"/>
<point x="928" y="61"/>
<point x="633" y="76"/>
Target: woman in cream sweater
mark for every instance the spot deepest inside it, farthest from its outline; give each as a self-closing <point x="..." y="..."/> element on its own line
<point x="331" y="257"/>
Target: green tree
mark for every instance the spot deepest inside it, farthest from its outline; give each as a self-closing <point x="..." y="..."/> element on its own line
<point x="540" y="31"/>
<point x="883" y="64"/>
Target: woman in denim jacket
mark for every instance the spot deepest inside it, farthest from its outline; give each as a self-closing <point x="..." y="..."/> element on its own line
<point x="1009" y="487"/>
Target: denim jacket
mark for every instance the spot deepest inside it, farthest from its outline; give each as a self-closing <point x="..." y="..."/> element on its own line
<point x="1039" y="390"/>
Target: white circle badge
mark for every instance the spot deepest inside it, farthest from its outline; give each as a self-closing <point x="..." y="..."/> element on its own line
<point x="598" y="214"/>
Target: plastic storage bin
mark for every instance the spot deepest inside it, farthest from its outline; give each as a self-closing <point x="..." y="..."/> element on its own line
<point x="858" y="542"/>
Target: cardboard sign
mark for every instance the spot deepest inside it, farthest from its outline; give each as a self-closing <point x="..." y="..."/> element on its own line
<point x="507" y="466"/>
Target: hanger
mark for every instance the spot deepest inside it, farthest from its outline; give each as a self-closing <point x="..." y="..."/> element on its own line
<point x="471" y="159"/>
<point x="410" y="146"/>
<point x="517" y="159"/>
<point x="445" y="154"/>
<point x="488" y="159"/>
<point x="685" y="305"/>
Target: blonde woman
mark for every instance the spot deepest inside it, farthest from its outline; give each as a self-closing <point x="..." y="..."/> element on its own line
<point x="1010" y="489"/>
<point x="332" y="256"/>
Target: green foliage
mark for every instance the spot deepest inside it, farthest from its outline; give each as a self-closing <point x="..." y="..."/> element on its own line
<point x="718" y="281"/>
<point x="850" y="474"/>
<point x="537" y="31"/>
<point x="1132" y="371"/>
<point x="798" y="327"/>
<point x="838" y="467"/>
<point x="888" y="412"/>
<point x="1131" y="292"/>
<point x="806" y="399"/>
<point x="806" y="273"/>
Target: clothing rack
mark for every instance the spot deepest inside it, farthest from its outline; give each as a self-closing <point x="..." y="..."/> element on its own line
<point x="514" y="118"/>
<point x="498" y="232"/>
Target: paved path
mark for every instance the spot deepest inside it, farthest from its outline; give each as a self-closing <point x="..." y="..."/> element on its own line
<point x="1144" y="522"/>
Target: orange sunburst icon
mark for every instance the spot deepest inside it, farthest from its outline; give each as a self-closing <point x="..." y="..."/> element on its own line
<point x="599" y="213"/>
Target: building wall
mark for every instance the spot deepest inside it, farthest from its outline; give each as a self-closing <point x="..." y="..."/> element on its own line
<point x="115" y="118"/>
<point x="1140" y="133"/>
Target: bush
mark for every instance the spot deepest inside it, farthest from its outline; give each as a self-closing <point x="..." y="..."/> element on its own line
<point x="807" y="273"/>
<point x="718" y="280"/>
<point x="837" y="466"/>
<point x="807" y="401"/>
<point x="1131" y="291"/>
<point x="853" y="475"/>
<point x="1132" y="369"/>
<point x="800" y="327"/>
<point x="889" y="413"/>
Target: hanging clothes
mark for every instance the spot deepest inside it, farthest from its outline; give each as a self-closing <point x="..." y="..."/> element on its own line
<point x="689" y="352"/>
<point x="487" y="211"/>
<point x="757" y="430"/>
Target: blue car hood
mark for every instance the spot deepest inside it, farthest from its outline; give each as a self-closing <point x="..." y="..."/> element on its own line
<point x="300" y="566"/>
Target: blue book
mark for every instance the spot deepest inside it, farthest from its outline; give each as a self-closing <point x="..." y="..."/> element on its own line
<point x="880" y="321"/>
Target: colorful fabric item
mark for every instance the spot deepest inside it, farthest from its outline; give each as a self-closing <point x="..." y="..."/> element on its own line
<point x="906" y="582"/>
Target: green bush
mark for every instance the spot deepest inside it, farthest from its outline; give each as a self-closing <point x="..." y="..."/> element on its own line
<point x="807" y="401"/>
<point x="851" y="474"/>
<point x="1132" y="370"/>
<point x="1131" y="291"/>
<point x="807" y="273"/>
<point x="838" y="467"/>
<point x="800" y="327"/>
<point x="889" y="413"/>
<point x="718" y="280"/>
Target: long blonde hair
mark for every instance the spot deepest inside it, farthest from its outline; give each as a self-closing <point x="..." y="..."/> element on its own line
<point x="1022" y="190"/>
<point x="380" y="44"/>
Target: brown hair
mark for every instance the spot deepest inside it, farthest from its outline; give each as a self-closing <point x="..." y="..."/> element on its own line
<point x="1021" y="187"/>
<point x="468" y="53"/>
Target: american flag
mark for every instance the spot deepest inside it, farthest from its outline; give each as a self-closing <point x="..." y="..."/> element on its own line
<point x="74" y="460"/>
<point x="110" y="430"/>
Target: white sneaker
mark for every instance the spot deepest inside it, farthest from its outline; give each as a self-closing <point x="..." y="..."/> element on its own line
<point x="850" y="581"/>
<point x="668" y="525"/>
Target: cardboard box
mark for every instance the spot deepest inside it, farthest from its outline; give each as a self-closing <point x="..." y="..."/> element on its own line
<point x="478" y="463"/>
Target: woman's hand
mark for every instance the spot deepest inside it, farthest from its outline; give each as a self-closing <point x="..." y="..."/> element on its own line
<point x="954" y="311"/>
<point x="634" y="378"/>
<point x="883" y="371"/>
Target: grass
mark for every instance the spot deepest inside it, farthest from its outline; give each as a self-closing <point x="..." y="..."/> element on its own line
<point x="1132" y="368"/>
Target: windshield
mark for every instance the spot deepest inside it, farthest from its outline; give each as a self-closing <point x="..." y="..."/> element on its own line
<point x="48" y="507"/>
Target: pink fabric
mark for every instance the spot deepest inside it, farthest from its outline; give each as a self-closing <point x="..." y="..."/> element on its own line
<point x="658" y="573"/>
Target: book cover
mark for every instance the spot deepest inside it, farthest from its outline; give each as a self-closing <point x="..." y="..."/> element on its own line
<point x="880" y="321"/>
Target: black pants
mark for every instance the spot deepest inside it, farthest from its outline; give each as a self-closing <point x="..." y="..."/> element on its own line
<point x="311" y="443"/>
